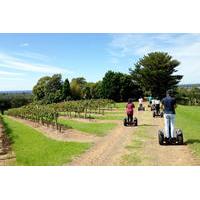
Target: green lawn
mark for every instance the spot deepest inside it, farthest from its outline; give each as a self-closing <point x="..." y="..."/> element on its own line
<point x="98" y="129"/>
<point x="188" y="119"/>
<point x="34" y="149"/>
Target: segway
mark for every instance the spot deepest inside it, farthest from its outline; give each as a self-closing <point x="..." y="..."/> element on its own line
<point x="178" y="139"/>
<point x="134" y="122"/>
<point x="153" y="107"/>
<point x="141" y="108"/>
<point x="158" y="113"/>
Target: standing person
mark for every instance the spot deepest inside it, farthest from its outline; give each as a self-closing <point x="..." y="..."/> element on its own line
<point x="169" y="104"/>
<point x="130" y="109"/>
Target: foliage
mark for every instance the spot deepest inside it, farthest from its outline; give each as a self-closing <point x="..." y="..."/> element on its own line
<point x="155" y="73"/>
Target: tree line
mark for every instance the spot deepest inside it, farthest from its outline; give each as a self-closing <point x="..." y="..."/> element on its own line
<point x="14" y="100"/>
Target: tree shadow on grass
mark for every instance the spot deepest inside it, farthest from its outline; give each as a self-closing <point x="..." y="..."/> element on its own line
<point x="192" y="141"/>
<point x="8" y="133"/>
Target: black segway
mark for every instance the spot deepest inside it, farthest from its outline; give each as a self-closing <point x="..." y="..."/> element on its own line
<point x="158" y="113"/>
<point x="153" y="107"/>
<point x="170" y="141"/>
<point x="141" y="108"/>
<point x="134" y="122"/>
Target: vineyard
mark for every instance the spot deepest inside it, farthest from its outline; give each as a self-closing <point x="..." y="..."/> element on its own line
<point x="48" y="114"/>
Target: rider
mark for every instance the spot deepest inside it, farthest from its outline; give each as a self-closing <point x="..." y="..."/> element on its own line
<point x="169" y="104"/>
<point x="129" y="110"/>
<point x="140" y="101"/>
<point x="157" y="105"/>
<point x="150" y="100"/>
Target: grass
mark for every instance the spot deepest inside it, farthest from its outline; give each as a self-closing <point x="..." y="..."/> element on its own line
<point x="188" y="119"/>
<point x="34" y="149"/>
<point x="121" y="106"/>
<point x="99" y="129"/>
<point x="110" y="117"/>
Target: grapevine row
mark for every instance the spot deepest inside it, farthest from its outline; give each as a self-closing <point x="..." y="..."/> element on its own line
<point x="48" y="114"/>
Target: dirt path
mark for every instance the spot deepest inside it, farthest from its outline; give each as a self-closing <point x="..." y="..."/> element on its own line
<point x="7" y="157"/>
<point x="108" y="150"/>
<point x="151" y="153"/>
<point x="176" y="155"/>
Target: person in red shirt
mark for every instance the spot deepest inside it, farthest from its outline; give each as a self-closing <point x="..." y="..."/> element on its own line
<point x="130" y="109"/>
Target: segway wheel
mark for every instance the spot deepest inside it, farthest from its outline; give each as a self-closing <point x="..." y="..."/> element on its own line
<point x="125" y="122"/>
<point x="135" y="122"/>
<point x="154" y="114"/>
<point x="160" y="137"/>
<point x="180" y="137"/>
<point x="161" y="114"/>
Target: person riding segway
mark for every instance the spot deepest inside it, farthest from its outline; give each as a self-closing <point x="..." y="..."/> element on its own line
<point x="171" y="135"/>
<point x="129" y="111"/>
<point x="140" y="106"/>
<point x="157" y="111"/>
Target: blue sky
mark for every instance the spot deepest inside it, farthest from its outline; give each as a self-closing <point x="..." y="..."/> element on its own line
<point x="24" y="58"/>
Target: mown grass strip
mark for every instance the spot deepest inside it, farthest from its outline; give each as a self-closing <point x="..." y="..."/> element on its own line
<point x="99" y="129"/>
<point x="32" y="148"/>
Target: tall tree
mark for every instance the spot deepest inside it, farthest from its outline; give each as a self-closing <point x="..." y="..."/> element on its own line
<point x="111" y="85"/>
<point x="66" y="91"/>
<point x="155" y="73"/>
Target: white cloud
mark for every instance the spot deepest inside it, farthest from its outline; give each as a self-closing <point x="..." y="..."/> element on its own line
<point x="32" y="55"/>
<point x="183" y="47"/>
<point x="24" y="44"/>
<point x="7" y="61"/>
<point x="12" y="79"/>
<point x="10" y="73"/>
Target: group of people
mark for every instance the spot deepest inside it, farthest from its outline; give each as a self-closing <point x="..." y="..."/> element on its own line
<point x="168" y="104"/>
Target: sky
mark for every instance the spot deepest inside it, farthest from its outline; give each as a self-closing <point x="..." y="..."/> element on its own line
<point x="24" y="58"/>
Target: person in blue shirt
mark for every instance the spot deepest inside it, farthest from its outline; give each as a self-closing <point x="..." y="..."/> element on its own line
<point x="169" y="106"/>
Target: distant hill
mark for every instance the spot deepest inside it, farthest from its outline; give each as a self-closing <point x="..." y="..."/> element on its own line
<point x="189" y="85"/>
<point x="17" y="92"/>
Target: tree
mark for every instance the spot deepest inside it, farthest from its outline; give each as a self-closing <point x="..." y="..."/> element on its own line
<point x="39" y="88"/>
<point x="77" y="85"/>
<point x="111" y="85"/>
<point x="154" y="73"/>
<point x="119" y="87"/>
<point x="66" y="91"/>
<point x="49" y="89"/>
<point x="96" y="90"/>
<point x="129" y="89"/>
